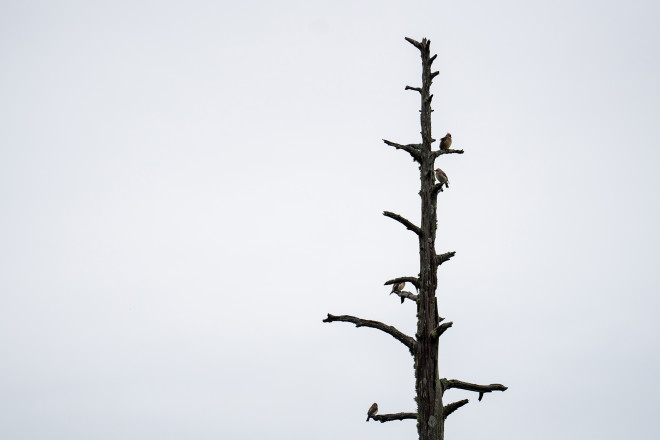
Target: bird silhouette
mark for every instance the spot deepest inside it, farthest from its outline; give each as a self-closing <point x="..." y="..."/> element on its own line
<point x="373" y="410"/>
<point x="445" y="142"/>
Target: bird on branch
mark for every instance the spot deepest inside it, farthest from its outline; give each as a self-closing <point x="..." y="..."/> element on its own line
<point x="398" y="287"/>
<point x="373" y="410"/>
<point x="442" y="178"/>
<point x="445" y="142"/>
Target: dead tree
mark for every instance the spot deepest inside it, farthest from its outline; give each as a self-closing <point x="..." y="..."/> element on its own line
<point x="431" y="411"/>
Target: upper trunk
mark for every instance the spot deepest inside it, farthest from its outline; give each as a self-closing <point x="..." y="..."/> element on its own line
<point x="429" y="403"/>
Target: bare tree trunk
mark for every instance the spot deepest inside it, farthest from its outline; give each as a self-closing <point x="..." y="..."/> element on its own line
<point x="429" y="397"/>
<point x="431" y="413"/>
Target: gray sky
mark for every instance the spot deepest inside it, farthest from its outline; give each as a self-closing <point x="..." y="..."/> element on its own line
<point x="186" y="189"/>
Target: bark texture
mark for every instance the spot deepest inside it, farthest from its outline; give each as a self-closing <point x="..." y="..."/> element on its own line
<point x="429" y="396"/>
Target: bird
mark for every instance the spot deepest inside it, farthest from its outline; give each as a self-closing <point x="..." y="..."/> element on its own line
<point x="442" y="178"/>
<point x="373" y="410"/>
<point x="398" y="287"/>
<point x="445" y="142"/>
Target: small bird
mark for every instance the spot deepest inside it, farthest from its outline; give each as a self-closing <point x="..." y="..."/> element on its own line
<point x="445" y="142"/>
<point x="373" y="410"/>
<point x="442" y="178"/>
<point x="398" y="287"/>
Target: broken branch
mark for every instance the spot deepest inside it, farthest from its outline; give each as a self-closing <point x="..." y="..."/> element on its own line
<point x="404" y="294"/>
<point x="414" y="88"/>
<point x="437" y="188"/>
<point x="451" y="407"/>
<point x="392" y="331"/>
<point x="405" y="222"/>
<point x="439" y="259"/>
<point x="417" y="44"/>
<point x="481" y="389"/>
<point x="382" y="418"/>
<point x="439" y="330"/>
<point x="412" y="149"/>
<point x="441" y="152"/>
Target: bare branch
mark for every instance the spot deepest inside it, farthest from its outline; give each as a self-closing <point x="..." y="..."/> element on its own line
<point x="412" y="149"/>
<point x="451" y="407"/>
<point x="432" y="59"/>
<point x="405" y="222"/>
<point x="412" y="280"/>
<point x="392" y="331"/>
<point x="428" y="101"/>
<point x="439" y="259"/>
<point x="481" y="389"/>
<point x="441" y="152"/>
<point x="417" y="89"/>
<point x="434" y="74"/>
<point x="382" y="418"/>
<point x="417" y="44"/>
<point x="439" y="330"/>
<point x="404" y="294"/>
<point x="437" y="188"/>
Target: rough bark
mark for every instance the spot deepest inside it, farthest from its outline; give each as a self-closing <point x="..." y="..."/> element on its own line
<point x="429" y="395"/>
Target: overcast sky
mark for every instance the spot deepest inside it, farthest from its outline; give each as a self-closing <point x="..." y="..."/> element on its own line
<point x="188" y="188"/>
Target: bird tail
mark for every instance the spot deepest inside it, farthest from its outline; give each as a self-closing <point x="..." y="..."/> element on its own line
<point x="367" y="418"/>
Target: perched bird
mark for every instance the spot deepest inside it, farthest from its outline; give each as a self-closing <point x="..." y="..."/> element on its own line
<point x="442" y="177"/>
<point x="398" y="287"/>
<point x="373" y="410"/>
<point x="445" y="142"/>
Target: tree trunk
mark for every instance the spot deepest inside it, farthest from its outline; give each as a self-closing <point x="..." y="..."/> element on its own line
<point x="429" y="404"/>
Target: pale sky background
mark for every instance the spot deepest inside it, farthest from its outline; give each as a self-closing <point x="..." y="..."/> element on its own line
<point x="187" y="189"/>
